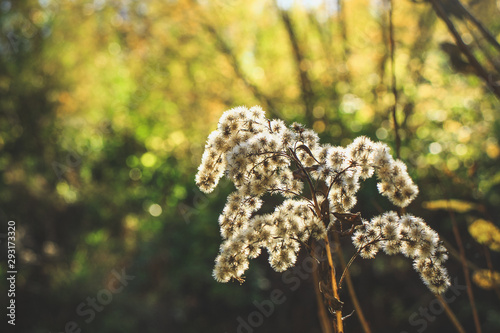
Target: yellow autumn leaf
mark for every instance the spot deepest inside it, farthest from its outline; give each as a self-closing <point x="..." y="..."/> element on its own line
<point x="485" y="232"/>
<point x="486" y="278"/>
<point x="458" y="206"/>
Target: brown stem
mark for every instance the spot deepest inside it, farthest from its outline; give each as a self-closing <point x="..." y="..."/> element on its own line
<point x="339" y="327"/>
<point x="465" y="267"/>
<point x="338" y="323"/>
<point x="350" y="288"/>
<point x="326" y="326"/>
<point x="451" y="315"/>
<point x="454" y="253"/>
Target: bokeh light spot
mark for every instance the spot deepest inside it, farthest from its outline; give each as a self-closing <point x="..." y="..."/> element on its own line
<point x="155" y="210"/>
<point x="435" y="148"/>
<point x="148" y="159"/>
<point x="135" y="174"/>
<point x="381" y="133"/>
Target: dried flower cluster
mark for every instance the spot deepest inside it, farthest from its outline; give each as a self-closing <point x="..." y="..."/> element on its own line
<point x="265" y="156"/>
<point x="410" y="236"/>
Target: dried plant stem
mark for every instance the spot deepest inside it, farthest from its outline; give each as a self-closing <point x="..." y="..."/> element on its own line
<point x="326" y="325"/>
<point x="350" y="288"/>
<point x="338" y="324"/>
<point x="339" y="327"/>
<point x="451" y="315"/>
<point x="461" y="249"/>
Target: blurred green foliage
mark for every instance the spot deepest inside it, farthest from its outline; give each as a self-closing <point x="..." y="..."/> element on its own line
<point x="104" y="110"/>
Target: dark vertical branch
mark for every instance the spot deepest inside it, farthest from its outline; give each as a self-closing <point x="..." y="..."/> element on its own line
<point x="422" y="42"/>
<point x="485" y="50"/>
<point x="326" y="326"/>
<point x="382" y="62"/>
<point x="480" y="70"/>
<point x="463" y="261"/>
<point x="228" y="52"/>
<point x="393" y="76"/>
<point x="343" y="34"/>
<point x="305" y="83"/>
<point x="461" y="249"/>
<point x="486" y="34"/>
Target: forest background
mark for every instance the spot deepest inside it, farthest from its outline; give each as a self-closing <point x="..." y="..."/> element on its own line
<point x="105" y="107"/>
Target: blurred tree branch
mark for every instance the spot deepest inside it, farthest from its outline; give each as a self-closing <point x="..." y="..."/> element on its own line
<point x="225" y="49"/>
<point x="307" y="93"/>
<point x="346" y="51"/>
<point x="479" y="68"/>
<point x="393" y="79"/>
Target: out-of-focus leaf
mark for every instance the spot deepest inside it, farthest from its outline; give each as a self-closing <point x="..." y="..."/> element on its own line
<point x="485" y="232"/>
<point x="458" y="206"/>
<point x="486" y="278"/>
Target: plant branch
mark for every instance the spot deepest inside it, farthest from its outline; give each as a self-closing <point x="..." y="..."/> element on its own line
<point x="226" y="50"/>
<point x="393" y="76"/>
<point x="326" y="326"/>
<point x="339" y="327"/>
<point x="350" y="288"/>
<point x="354" y="256"/>
<point x="481" y="71"/>
<point x="450" y="314"/>
<point x="487" y="35"/>
<point x="305" y="83"/>
<point x="346" y="51"/>
<point x="461" y="249"/>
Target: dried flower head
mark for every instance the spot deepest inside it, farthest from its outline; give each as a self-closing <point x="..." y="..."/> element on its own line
<point x="265" y="156"/>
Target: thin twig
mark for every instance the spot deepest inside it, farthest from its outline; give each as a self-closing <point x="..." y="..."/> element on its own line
<point x="463" y="259"/>
<point x="343" y="33"/>
<point x="454" y="253"/>
<point x="451" y="315"/>
<point x="465" y="267"/>
<point x="350" y="288"/>
<point x="305" y="82"/>
<point x="228" y="52"/>
<point x="393" y="75"/>
<point x="355" y="255"/>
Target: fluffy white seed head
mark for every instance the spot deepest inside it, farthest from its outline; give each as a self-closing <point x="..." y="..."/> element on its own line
<point x="407" y="235"/>
<point x="262" y="156"/>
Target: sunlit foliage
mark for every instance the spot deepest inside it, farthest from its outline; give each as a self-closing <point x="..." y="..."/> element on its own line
<point x="485" y="232"/>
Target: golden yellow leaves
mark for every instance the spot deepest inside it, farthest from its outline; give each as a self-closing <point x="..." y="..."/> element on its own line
<point x="485" y="232"/>
<point x="486" y="278"/>
<point x="458" y="206"/>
